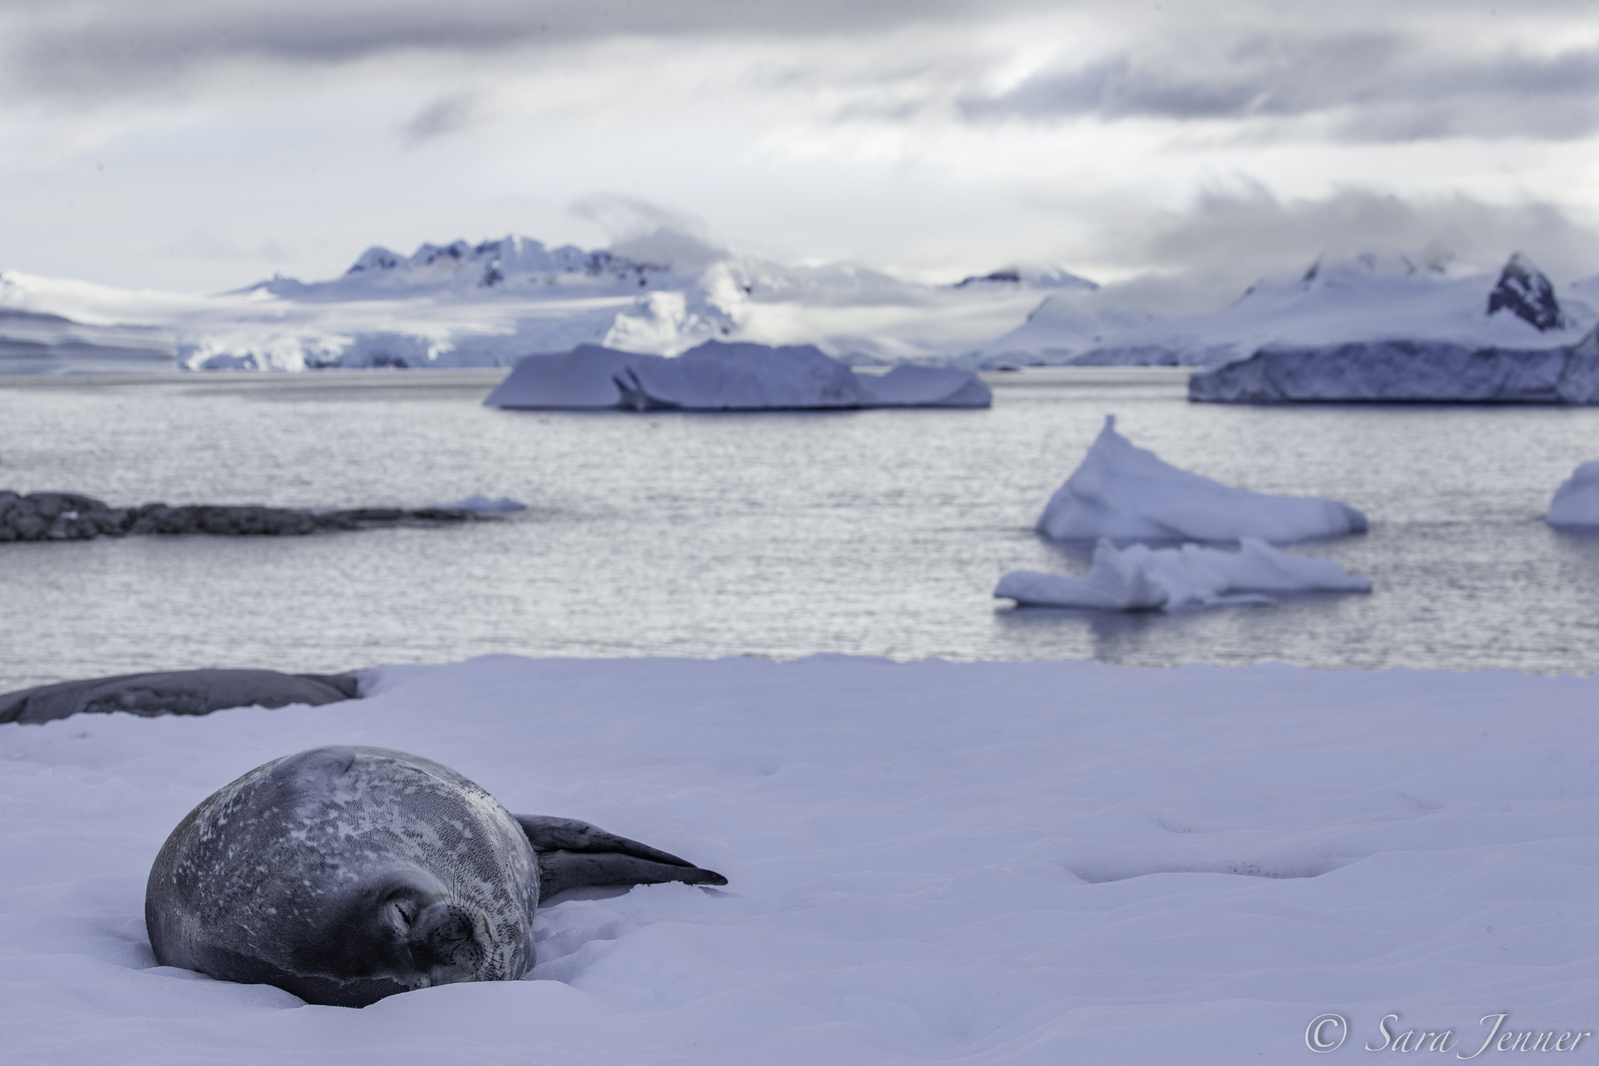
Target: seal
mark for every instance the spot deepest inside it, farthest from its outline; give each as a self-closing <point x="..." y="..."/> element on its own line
<point x="347" y="874"/>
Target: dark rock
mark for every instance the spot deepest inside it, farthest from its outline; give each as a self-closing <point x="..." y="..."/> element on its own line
<point x="64" y="516"/>
<point x="175" y="692"/>
<point x="1525" y="292"/>
<point x="351" y="519"/>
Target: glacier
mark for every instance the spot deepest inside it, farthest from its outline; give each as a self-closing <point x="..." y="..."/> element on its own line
<point x="1407" y="371"/>
<point x="1129" y="493"/>
<point x="33" y="342"/>
<point x="1369" y="298"/>
<point x="493" y="303"/>
<point x="1576" y="501"/>
<point x="720" y="376"/>
<point x="1138" y="577"/>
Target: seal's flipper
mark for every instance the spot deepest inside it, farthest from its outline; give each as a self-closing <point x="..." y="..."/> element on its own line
<point x="561" y="870"/>
<point x="574" y="854"/>
<point x="569" y="834"/>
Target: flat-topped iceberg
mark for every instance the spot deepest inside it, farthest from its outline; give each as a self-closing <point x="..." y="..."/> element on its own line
<point x="1407" y="371"/>
<point x="726" y="377"/>
<point x="1576" y="501"/>
<point x="1142" y="578"/>
<point x="1129" y="493"/>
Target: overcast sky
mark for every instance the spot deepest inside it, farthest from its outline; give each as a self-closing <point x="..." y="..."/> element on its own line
<point x="203" y="145"/>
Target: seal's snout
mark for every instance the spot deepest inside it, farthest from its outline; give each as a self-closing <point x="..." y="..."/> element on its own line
<point x="450" y="941"/>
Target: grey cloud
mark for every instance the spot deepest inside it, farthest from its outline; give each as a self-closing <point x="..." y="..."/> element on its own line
<point x="1228" y="239"/>
<point x="626" y="218"/>
<point x="446" y="115"/>
<point x="1374" y="86"/>
<point x="72" y="46"/>
<point x="648" y="232"/>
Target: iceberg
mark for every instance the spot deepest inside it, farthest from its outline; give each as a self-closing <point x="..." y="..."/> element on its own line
<point x="481" y="504"/>
<point x="718" y="376"/>
<point x="1129" y="493"/>
<point x="1407" y="371"/>
<point x="741" y="377"/>
<point x="926" y="386"/>
<point x="581" y="379"/>
<point x="1576" y="501"/>
<point x="1142" y="578"/>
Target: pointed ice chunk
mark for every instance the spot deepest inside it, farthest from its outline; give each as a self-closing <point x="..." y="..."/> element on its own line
<point x="1576" y="501"/>
<point x="1129" y="493"/>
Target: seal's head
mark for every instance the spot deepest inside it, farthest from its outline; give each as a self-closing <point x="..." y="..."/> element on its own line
<point x="402" y="925"/>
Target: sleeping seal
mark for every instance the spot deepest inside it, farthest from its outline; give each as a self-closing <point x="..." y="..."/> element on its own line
<point x="346" y="874"/>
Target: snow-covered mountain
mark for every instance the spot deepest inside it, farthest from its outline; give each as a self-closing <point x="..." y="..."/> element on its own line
<point x="1363" y="299"/>
<point x="492" y="303"/>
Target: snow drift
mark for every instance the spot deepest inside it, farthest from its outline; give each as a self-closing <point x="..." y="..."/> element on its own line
<point x="1128" y="493"/>
<point x="1405" y="371"/>
<point x="717" y="376"/>
<point x="930" y="862"/>
<point x="1576" y="501"/>
<point x="1140" y="578"/>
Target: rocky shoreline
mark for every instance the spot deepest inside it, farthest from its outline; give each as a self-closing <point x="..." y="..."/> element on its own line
<point x="68" y="516"/>
<point x="189" y="692"/>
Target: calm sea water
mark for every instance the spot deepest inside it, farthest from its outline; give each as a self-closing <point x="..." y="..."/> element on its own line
<point x="869" y="533"/>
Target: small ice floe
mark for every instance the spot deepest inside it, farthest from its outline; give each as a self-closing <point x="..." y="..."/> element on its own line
<point x="1142" y="578"/>
<point x="482" y="504"/>
<point x="1131" y="494"/>
<point x="1576" y="501"/>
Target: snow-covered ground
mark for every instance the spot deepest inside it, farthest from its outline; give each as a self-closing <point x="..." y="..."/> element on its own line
<point x="982" y="862"/>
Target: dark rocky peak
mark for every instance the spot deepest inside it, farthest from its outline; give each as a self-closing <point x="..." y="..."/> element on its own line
<point x="375" y="258"/>
<point x="1007" y="275"/>
<point x="1525" y="292"/>
<point x="429" y="254"/>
